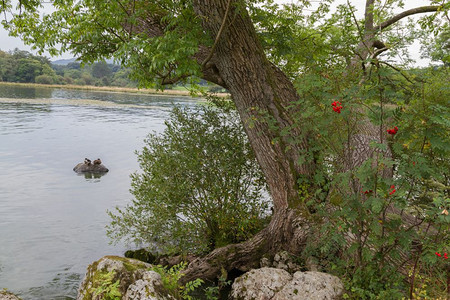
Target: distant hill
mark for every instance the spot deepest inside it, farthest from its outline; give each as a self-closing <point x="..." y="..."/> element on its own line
<point x="63" y="62"/>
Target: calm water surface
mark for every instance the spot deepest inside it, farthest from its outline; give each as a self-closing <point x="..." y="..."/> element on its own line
<point x="52" y="221"/>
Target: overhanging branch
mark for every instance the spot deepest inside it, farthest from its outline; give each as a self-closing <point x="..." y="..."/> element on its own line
<point x="406" y="13"/>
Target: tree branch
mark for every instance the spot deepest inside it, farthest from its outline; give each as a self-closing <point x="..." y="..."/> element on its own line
<point x="398" y="70"/>
<point x="368" y="15"/>
<point x="222" y="26"/>
<point x="406" y="13"/>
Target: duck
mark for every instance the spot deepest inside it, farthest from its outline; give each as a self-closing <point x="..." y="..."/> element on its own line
<point x="87" y="161"/>
<point x="97" y="161"/>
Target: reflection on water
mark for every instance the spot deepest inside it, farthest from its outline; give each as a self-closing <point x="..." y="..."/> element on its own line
<point x="12" y="91"/>
<point x="92" y="177"/>
<point x="52" y="224"/>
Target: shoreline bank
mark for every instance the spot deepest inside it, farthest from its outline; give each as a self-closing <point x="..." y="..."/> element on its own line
<point x="108" y="89"/>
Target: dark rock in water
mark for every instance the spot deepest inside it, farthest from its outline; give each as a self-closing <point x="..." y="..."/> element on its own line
<point x="90" y="168"/>
<point x="142" y="255"/>
<point x="164" y="260"/>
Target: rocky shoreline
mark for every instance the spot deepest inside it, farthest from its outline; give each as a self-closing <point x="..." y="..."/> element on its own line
<point x="134" y="278"/>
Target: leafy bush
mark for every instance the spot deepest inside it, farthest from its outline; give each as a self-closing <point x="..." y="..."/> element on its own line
<point x="44" y="79"/>
<point x="200" y="185"/>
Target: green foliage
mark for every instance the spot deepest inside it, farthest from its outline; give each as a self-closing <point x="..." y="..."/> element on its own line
<point x="100" y="70"/>
<point x="200" y="185"/>
<point x="21" y="66"/>
<point x="170" y="278"/>
<point x="366" y="204"/>
<point x="104" y="286"/>
<point x="213" y="292"/>
<point x="44" y="79"/>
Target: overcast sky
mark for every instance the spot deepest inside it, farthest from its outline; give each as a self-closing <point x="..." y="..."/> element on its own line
<point x="9" y="43"/>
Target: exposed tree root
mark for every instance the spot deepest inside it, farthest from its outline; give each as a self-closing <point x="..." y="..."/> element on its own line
<point x="285" y="232"/>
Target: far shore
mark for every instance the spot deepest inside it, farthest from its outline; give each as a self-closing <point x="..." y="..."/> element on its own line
<point x="110" y="89"/>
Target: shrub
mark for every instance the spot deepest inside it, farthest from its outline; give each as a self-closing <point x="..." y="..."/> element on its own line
<point x="200" y="185"/>
<point x="44" y="79"/>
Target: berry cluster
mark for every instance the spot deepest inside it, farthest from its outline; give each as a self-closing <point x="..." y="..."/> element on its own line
<point x="393" y="190"/>
<point x="445" y="255"/>
<point x="392" y="131"/>
<point x="337" y="106"/>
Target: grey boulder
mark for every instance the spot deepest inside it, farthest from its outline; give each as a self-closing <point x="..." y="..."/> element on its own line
<point x="278" y="284"/>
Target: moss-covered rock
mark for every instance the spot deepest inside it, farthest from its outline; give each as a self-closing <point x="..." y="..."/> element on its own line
<point x="114" y="277"/>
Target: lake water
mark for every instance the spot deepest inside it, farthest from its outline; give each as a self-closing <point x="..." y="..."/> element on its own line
<point x="52" y="221"/>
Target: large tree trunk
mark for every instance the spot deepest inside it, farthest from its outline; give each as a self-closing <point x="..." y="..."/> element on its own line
<point x="262" y="94"/>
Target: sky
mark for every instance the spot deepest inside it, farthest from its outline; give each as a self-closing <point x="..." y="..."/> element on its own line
<point x="9" y="43"/>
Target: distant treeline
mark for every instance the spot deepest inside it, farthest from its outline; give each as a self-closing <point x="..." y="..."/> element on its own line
<point x="23" y="66"/>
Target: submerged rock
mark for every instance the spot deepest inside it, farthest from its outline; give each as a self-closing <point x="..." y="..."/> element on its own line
<point x="125" y="278"/>
<point x="278" y="284"/>
<point x="91" y="167"/>
<point x="5" y="295"/>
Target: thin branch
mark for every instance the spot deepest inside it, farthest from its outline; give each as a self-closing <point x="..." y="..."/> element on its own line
<point x="123" y="8"/>
<point x="173" y="80"/>
<point x="398" y="70"/>
<point x="222" y="26"/>
<point x="360" y="32"/>
<point x="108" y="29"/>
<point x="379" y="51"/>
<point x="406" y="13"/>
<point x="4" y="10"/>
